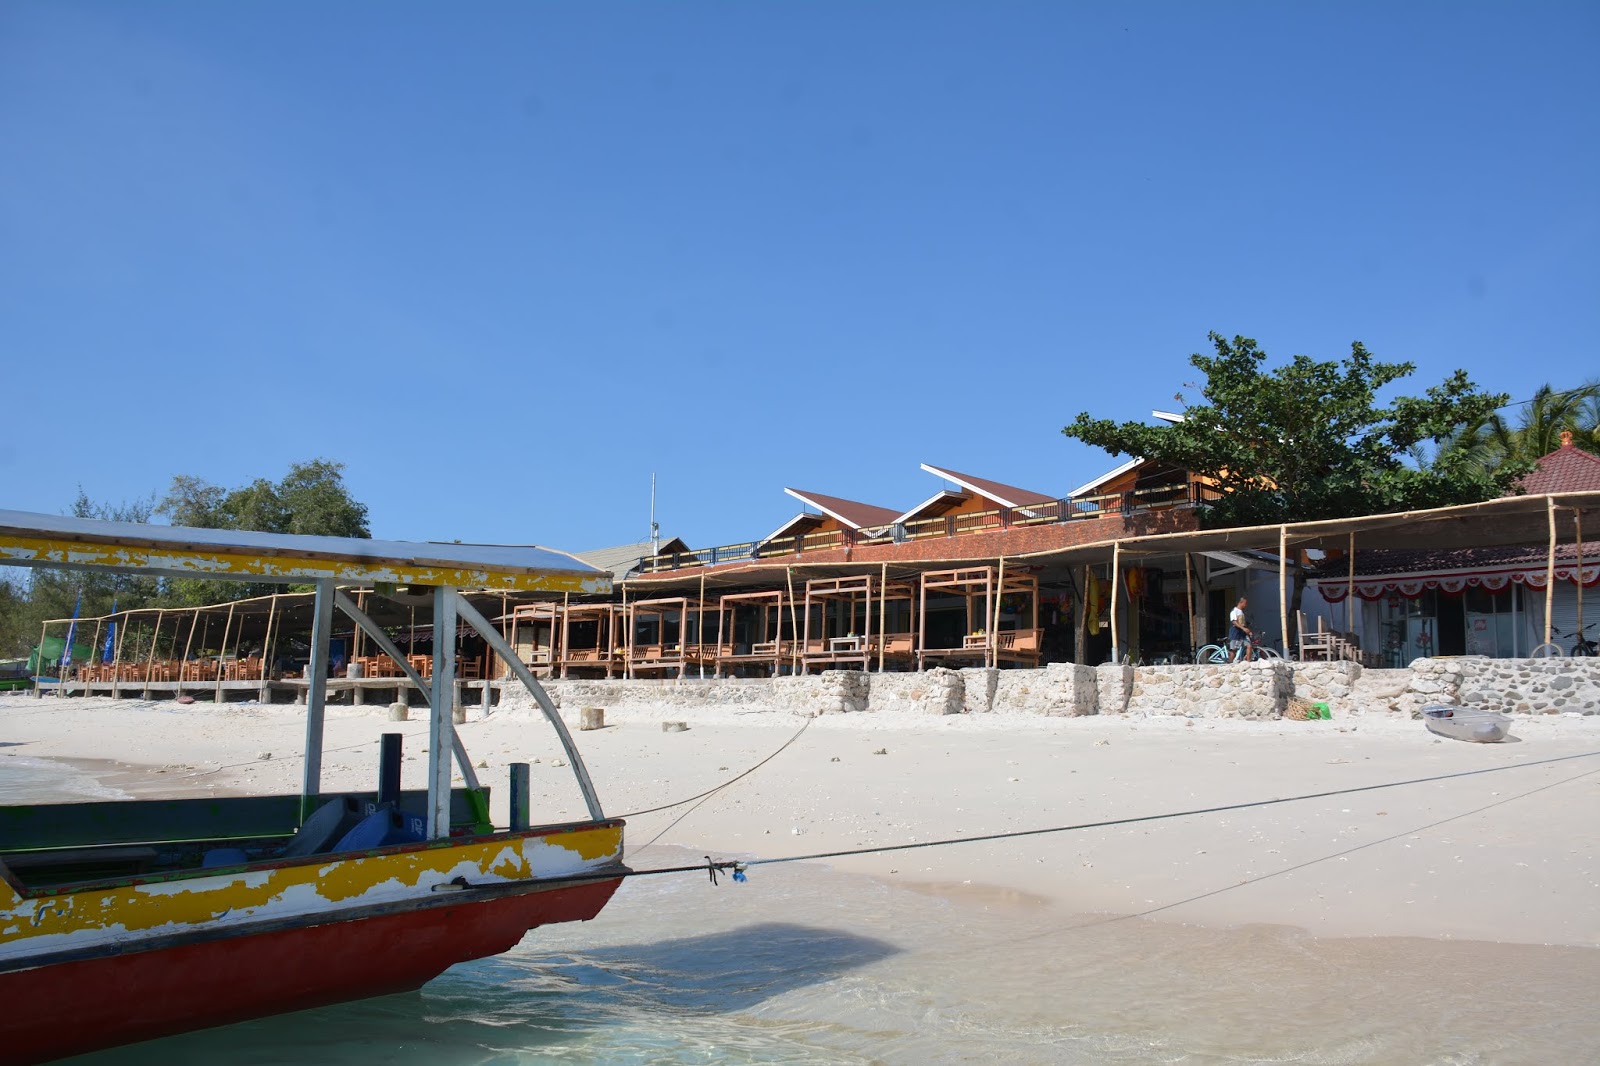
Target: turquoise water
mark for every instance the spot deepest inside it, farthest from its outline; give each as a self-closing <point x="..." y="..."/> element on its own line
<point x="808" y="965"/>
<point x="43" y="781"/>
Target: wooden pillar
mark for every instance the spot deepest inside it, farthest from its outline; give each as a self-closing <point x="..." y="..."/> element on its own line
<point x="116" y="655"/>
<point x="994" y="625"/>
<point x="883" y="613"/>
<point x="222" y="650"/>
<point x="1188" y="587"/>
<point x="922" y="621"/>
<point x="1350" y="589"/>
<point x="268" y="643"/>
<point x="1116" y="587"/>
<point x="699" y="628"/>
<point x="605" y="635"/>
<point x="1577" y="532"/>
<point x="150" y="660"/>
<point x="1549" y="566"/>
<point x="1283" y="592"/>
<point x="38" y="660"/>
<point x="794" y="624"/>
<point x="1080" y="620"/>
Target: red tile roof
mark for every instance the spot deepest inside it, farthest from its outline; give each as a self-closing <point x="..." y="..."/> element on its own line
<point x="1567" y="469"/>
<point x="852" y="513"/>
<point x="1005" y="495"/>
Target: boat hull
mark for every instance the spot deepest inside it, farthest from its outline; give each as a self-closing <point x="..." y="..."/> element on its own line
<point x="73" y="1007"/>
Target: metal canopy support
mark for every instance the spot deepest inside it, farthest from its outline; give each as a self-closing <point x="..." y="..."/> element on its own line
<point x="441" y="727"/>
<point x="382" y="640"/>
<point x="316" y="695"/>
<point x="470" y="615"/>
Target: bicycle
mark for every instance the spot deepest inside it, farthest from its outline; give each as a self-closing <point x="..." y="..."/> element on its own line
<point x="1580" y="646"/>
<point x="1221" y="654"/>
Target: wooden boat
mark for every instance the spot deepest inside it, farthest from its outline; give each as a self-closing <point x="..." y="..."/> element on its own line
<point x="1466" y="723"/>
<point x="125" y="921"/>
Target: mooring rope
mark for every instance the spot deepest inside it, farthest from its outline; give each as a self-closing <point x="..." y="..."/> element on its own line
<point x="741" y="865"/>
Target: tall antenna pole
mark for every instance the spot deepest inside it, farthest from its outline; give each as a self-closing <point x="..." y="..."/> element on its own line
<point x="655" y="527"/>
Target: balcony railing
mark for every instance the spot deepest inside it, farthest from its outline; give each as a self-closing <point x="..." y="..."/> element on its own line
<point x="1083" y="508"/>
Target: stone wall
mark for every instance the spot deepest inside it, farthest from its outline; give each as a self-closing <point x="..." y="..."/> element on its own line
<point x="1258" y="690"/>
<point x="1246" y="690"/>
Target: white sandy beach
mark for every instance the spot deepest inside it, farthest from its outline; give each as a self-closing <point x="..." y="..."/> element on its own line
<point x="1508" y="856"/>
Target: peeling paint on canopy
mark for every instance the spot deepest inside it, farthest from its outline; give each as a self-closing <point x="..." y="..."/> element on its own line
<point x="28" y="539"/>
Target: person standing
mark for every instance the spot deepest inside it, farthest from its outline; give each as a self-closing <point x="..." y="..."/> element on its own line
<point x="1239" y="634"/>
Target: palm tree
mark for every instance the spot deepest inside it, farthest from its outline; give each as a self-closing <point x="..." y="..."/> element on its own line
<point x="1492" y="441"/>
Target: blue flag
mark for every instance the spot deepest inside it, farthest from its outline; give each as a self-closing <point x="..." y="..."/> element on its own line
<point x="66" y="652"/>
<point x="111" y="636"/>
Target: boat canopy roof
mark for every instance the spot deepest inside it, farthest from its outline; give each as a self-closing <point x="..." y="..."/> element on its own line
<point x="28" y="539"/>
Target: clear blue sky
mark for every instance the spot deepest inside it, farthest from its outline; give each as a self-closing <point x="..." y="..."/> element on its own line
<point x="506" y="259"/>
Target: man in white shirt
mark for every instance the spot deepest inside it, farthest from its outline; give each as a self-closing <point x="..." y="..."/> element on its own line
<point x="1239" y="635"/>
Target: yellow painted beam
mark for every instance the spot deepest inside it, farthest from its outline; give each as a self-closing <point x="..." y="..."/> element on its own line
<point x="245" y="566"/>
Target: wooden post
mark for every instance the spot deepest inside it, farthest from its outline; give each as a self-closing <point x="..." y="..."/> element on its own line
<point x="267" y="649"/>
<point x="1283" y="592"/>
<point x="883" y="613"/>
<point x="150" y="660"/>
<point x="922" y="621"/>
<point x="1080" y="620"/>
<point x="1350" y="589"/>
<point x="605" y="636"/>
<point x="699" y="629"/>
<point x="994" y="625"/>
<point x="38" y="661"/>
<point x="1188" y="587"/>
<point x="1549" y="566"/>
<point x="794" y="624"/>
<point x="1116" y="587"/>
<point x="116" y="656"/>
<point x="222" y="650"/>
<point x="188" y="645"/>
<point x="94" y="650"/>
<point x="1577" y="531"/>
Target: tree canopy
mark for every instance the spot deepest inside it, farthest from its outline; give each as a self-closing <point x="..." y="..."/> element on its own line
<point x="1309" y="439"/>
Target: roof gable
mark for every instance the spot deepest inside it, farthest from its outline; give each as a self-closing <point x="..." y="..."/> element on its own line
<point x="852" y="513"/>
<point x="1003" y="494"/>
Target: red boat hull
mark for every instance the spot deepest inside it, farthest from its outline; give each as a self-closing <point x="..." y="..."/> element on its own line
<point x="70" y="1008"/>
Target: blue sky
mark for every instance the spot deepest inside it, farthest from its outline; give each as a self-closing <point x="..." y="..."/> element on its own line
<point x="504" y="260"/>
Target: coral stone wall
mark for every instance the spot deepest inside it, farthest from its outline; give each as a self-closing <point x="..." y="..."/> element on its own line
<point x="1258" y="690"/>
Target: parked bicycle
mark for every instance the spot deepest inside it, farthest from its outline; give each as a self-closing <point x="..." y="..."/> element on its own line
<point x="1221" y="653"/>
<point x="1581" y="646"/>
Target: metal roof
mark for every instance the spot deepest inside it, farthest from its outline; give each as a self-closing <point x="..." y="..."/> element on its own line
<point x="28" y="539"/>
<point x="1003" y="494"/>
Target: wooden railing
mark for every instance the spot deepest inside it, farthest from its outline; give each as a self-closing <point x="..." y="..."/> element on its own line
<point x="1079" y="509"/>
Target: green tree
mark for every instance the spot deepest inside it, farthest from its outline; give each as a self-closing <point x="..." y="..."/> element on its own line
<point x="310" y="499"/>
<point x="1492" y="441"/>
<point x="1309" y="439"/>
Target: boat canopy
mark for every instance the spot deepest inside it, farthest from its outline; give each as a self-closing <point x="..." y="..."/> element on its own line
<point x="28" y="539"/>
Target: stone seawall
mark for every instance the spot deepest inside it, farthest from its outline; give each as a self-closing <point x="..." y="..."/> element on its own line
<point x="1259" y="690"/>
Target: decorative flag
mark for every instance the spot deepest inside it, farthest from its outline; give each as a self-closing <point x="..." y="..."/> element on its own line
<point x="111" y="635"/>
<point x="66" y="652"/>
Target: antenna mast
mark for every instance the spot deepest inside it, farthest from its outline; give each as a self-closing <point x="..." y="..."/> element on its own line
<point x="655" y="527"/>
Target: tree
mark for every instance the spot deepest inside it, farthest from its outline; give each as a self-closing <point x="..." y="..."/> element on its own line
<point x="310" y="499"/>
<point x="1309" y="440"/>
<point x="1491" y="441"/>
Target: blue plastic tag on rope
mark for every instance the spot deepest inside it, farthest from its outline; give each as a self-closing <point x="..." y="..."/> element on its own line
<point x="738" y="872"/>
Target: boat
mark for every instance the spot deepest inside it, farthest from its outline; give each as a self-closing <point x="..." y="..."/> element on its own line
<point x="127" y="921"/>
<point x="1466" y="723"/>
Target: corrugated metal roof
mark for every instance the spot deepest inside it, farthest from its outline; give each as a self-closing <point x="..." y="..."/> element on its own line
<point x="624" y="558"/>
<point x="30" y="539"/>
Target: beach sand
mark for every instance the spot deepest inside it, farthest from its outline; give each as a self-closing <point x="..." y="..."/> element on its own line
<point x="1507" y="856"/>
<point x="1446" y="922"/>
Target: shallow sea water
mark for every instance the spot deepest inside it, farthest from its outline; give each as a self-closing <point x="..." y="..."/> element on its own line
<point x="805" y="964"/>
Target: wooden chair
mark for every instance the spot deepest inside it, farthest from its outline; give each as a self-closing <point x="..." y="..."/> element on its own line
<point x="1315" y="644"/>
